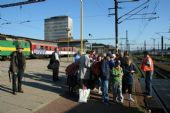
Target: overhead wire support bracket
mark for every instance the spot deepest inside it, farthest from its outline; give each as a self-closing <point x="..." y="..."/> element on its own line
<point x="144" y="18"/>
<point x="20" y="3"/>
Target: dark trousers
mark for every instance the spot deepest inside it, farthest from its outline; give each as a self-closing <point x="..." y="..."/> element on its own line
<point x="17" y="77"/>
<point x="55" y="73"/>
<point x="148" y="82"/>
<point x="123" y="85"/>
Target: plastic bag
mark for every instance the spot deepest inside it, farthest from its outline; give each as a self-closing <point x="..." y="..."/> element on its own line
<point x="83" y="95"/>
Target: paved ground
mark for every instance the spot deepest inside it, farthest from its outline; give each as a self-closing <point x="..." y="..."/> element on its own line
<point x="39" y="89"/>
<point x="41" y="95"/>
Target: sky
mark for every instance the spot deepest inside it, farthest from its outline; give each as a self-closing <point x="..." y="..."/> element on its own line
<point x="96" y="20"/>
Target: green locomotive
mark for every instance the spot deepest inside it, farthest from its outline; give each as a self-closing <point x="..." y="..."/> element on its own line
<point x="8" y="45"/>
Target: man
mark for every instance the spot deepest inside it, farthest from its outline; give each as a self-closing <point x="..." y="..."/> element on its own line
<point x="55" y="62"/>
<point x="17" y="67"/>
<point x="148" y="67"/>
<point x="105" y="75"/>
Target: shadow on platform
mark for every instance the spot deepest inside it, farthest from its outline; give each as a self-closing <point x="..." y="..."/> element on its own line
<point x="44" y="82"/>
<point x="5" y="89"/>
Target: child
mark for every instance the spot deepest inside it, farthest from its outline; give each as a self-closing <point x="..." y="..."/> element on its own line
<point x="117" y="72"/>
<point x="129" y="69"/>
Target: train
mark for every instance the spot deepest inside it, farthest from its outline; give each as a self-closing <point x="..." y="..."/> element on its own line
<point x="33" y="48"/>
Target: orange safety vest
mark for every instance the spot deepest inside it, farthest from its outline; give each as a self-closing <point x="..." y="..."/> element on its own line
<point x="145" y="67"/>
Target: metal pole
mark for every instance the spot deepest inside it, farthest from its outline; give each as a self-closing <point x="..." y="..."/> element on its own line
<point x="162" y="45"/>
<point x="154" y="46"/>
<point x="68" y="49"/>
<point x="116" y="24"/>
<point x="81" y="26"/>
<point x="127" y="40"/>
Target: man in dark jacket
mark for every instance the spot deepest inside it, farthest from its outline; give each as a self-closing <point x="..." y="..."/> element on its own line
<point x="17" y="67"/>
<point x="105" y="75"/>
<point x="55" y="62"/>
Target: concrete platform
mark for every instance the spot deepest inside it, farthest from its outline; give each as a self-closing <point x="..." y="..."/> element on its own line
<point x="39" y="89"/>
<point x="42" y="95"/>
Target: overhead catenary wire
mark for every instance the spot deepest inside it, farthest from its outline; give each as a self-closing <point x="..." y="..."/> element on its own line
<point x="133" y="14"/>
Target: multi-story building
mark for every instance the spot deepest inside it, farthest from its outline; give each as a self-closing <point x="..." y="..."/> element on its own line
<point x="58" y="28"/>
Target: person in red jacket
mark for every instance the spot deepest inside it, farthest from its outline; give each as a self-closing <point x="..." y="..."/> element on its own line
<point x="148" y="67"/>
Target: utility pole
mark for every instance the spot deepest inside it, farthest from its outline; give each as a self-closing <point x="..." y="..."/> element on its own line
<point x="116" y="24"/>
<point x="81" y="26"/>
<point x="127" y="42"/>
<point x="116" y="2"/>
<point x="153" y="45"/>
<point x="145" y="45"/>
<point x="162" y="41"/>
<point x="158" y="46"/>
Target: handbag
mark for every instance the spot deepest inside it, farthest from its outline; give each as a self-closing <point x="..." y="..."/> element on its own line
<point x="49" y="66"/>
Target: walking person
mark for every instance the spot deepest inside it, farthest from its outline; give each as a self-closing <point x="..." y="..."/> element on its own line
<point x="129" y="70"/>
<point x="105" y="75"/>
<point x="55" y="62"/>
<point x="17" y="67"/>
<point x="117" y="73"/>
<point x="148" y="67"/>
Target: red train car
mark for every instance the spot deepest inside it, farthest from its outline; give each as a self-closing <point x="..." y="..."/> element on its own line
<point x="40" y="48"/>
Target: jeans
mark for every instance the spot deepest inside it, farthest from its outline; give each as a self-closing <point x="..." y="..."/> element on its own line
<point x="105" y="95"/>
<point x="148" y="82"/>
<point x="117" y="91"/>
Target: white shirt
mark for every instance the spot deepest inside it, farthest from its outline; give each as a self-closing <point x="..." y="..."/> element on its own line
<point x="56" y="56"/>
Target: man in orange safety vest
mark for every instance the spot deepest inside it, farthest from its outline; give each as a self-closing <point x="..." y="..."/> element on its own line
<point x="148" y="67"/>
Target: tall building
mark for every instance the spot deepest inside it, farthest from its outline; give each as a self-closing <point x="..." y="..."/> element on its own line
<point x="57" y="28"/>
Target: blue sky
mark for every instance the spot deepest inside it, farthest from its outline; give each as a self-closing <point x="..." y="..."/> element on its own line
<point x="96" y="20"/>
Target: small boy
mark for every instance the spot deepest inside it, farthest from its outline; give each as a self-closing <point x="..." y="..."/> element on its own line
<point x="117" y="72"/>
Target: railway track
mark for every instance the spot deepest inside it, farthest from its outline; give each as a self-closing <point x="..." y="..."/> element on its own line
<point x="157" y="98"/>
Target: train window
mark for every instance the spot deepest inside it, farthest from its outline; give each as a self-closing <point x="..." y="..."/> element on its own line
<point x="50" y="48"/>
<point x="41" y="47"/>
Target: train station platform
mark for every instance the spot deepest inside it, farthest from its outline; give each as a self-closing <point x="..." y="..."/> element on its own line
<point x="42" y="95"/>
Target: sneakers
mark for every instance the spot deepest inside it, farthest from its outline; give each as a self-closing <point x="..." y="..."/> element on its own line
<point x="100" y="92"/>
<point x="148" y="96"/>
<point x="131" y="99"/>
<point x="119" y="101"/>
<point x="14" y="93"/>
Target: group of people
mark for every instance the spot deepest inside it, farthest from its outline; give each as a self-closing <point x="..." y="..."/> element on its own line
<point x="114" y="72"/>
<point x="106" y="72"/>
